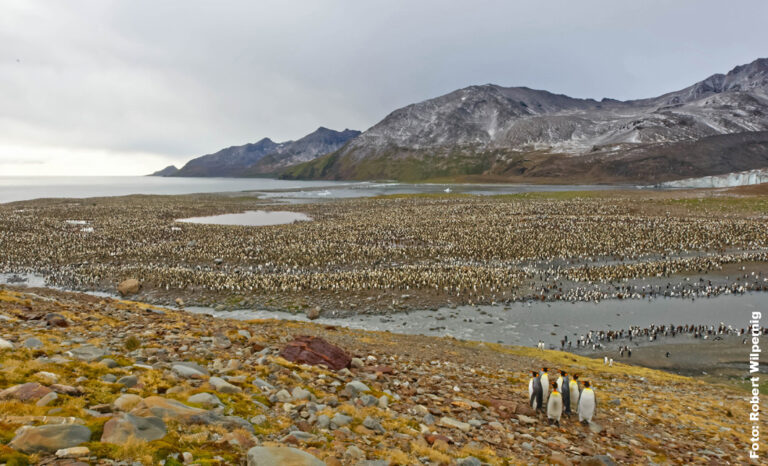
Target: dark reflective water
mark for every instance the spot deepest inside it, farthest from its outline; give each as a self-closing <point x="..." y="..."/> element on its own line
<point x="24" y="188"/>
<point x="525" y="324"/>
<point x="521" y="323"/>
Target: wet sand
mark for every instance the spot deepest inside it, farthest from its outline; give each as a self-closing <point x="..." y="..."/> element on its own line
<point x="719" y="361"/>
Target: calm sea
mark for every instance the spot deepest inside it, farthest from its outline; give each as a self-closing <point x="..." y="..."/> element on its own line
<point x="24" y="188"/>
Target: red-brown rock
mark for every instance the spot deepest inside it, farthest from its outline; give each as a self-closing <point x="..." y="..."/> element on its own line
<point x="315" y="351"/>
<point x="432" y="438"/>
<point x="56" y="320"/>
<point x="67" y="390"/>
<point x="506" y="408"/>
<point x="25" y="392"/>
<point x="379" y="369"/>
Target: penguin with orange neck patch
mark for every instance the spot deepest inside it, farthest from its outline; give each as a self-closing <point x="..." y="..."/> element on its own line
<point x="575" y="392"/>
<point x="554" y="406"/>
<point x="587" y="404"/>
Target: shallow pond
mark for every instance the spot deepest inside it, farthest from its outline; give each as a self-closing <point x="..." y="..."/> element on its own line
<point x="251" y="218"/>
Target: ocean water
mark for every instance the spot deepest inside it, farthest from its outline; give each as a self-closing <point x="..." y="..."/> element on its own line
<point x="25" y="188"/>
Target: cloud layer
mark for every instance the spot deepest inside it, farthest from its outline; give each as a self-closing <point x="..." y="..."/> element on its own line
<point x="127" y="87"/>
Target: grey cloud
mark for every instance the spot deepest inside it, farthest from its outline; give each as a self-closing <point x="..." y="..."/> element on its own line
<point x="185" y="77"/>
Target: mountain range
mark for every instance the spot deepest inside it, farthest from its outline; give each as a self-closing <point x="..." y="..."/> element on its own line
<point x="263" y="157"/>
<point x="716" y="126"/>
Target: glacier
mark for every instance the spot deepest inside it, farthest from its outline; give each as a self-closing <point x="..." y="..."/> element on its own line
<point x="727" y="180"/>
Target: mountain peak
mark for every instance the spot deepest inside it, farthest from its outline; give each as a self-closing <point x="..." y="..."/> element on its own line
<point x="485" y="127"/>
<point x="170" y="170"/>
<point x="265" y="156"/>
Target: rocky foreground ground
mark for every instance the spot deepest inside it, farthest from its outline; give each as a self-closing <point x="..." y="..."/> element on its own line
<point x="87" y="380"/>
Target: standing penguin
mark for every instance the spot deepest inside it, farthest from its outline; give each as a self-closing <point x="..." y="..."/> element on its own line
<point x="565" y="391"/>
<point x="534" y="391"/>
<point x="574" y="389"/>
<point x="560" y="381"/>
<point x="554" y="405"/>
<point x="544" y="378"/>
<point x="587" y="404"/>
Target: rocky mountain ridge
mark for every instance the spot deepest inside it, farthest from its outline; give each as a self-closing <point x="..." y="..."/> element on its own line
<point x="499" y="131"/>
<point x="263" y="157"/>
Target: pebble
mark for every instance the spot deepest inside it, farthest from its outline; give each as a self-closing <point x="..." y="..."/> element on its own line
<point x="299" y="394"/>
<point x="129" y="381"/>
<point x="280" y="456"/>
<point x="222" y="386"/>
<point x="110" y="363"/>
<point x="450" y="422"/>
<point x="373" y="424"/>
<point x="87" y="353"/>
<point x="207" y="400"/>
<point x="126" y="402"/>
<point x="469" y="461"/>
<point x="187" y="372"/>
<point x="340" y="420"/>
<point x="31" y="343"/>
<point x="47" y="399"/>
<point x="355" y="387"/>
<point x="283" y="396"/>
<point x="73" y="452"/>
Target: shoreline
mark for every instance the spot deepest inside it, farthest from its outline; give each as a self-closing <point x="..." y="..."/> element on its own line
<point x="717" y="358"/>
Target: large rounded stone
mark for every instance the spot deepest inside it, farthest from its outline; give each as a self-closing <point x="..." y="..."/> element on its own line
<point x="222" y="386"/>
<point x="281" y="456"/>
<point x="123" y="427"/>
<point x="87" y="353"/>
<point x="25" y="392"/>
<point x="316" y="351"/>
<point x="207" y="400"/>
<point x="126" y="402"/>
<point x="164" y="408"/>
<point x="129" y="287"/>
<point x="50" y="438"/>
<point x="189" y="371"/>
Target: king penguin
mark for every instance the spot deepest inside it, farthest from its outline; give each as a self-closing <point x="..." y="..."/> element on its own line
<point x="544" y="378"/>
<point x="573" y="387"/>
<point x="565" y="391"/>
<point x="554" y="405"/>
<point x="587" y="404"/>
<point x="534" y="391"/>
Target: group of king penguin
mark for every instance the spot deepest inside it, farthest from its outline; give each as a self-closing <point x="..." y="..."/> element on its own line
<point x="562" y="396"/>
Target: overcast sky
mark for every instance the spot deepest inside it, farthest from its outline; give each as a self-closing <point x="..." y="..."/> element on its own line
<point x="127" y="87"/>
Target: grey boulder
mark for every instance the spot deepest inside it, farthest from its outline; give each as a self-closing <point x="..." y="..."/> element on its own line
<point x="281" y="456"/>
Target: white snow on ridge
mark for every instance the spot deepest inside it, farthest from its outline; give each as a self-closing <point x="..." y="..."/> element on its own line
<point x="727" y="180"/>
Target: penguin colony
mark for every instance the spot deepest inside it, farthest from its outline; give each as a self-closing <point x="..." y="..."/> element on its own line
<point x="374" y="254"/>
<point x="596" y="340"/>
<point x="562" y="397"/>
